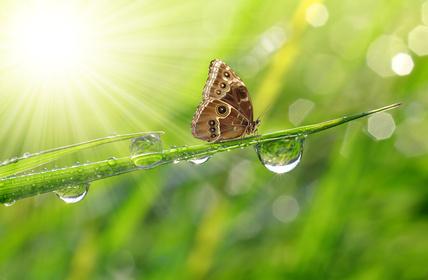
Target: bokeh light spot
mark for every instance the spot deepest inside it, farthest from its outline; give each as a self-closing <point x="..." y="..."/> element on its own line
<point x="273" y="39"/>
<point x="381" y="126"/>
<point x="402" y="64"/>
<point x="411" y="133"/>
<point x="425" y="13"/>
<point x="418" y="40"/>
<point x="381" y="52"/>
<point x="299" y="109"/>
<point x="240" y="178"/>
<point x="317" y="15"/>
<point x="285" y="208"/>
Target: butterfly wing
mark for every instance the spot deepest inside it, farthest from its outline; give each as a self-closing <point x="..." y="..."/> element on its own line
<point x="224" y="84"/>
<point x="216" y="120"/>
<point x="226" y="111"/>
<point x="220" y="77"/>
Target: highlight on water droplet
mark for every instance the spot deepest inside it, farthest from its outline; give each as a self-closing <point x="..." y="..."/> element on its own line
<point x="201" y="160"/>
<point x="73" y="194"/>
<point x="148" y="143"/>
<point x="280" y="156"/>
<point x="146" y="150"/>
<point x="112" y="161"/>
<point x="9" y="203"/>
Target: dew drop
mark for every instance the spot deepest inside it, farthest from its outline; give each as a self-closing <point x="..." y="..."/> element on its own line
<point x="9" y="203"/>
<point x="26" y="155"/>
<point x="112" y="161"/>
<point x="280" y="156"/>
<point x="150" y="145"/>
<point x="201" y="160"/>
<point x="73" y="194"/>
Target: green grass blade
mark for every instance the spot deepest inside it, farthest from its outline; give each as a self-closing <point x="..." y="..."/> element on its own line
<point x="24" y="163"/>
<point x="17" y="187"/>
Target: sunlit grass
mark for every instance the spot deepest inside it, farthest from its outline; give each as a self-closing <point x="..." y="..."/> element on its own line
<point x="360" y="189"/>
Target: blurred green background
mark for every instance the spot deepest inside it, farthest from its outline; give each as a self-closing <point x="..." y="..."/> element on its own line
<point x="356" y="207"/>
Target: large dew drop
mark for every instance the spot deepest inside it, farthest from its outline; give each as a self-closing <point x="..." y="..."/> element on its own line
<point x="280" y="156"/>
<point x="73" y="194"/>
<point x="201" y="160"/>
<point x="149" y="146"/>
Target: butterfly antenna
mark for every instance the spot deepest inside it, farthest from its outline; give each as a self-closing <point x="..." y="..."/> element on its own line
<point x="264" y="112"/>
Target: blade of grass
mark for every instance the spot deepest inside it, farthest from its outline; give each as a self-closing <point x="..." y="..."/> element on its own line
<point x="17" y="187"/>
<point x="26" y="162"/>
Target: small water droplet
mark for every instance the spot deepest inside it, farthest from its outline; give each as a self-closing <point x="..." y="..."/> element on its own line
<point x="73" y="194"/>
<point x="199" y="160"/>
<point x="176" y="161"/>
<point x="112" y="161"/>
<point x="280" y="156"/>
<point x="9" y="203"/>
<point x="149" y="144"/>
<point x="26" y="155"/>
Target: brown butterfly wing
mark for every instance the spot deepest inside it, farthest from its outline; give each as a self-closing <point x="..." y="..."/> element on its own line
<point x="239" y="98"/>
<point x="224" y="84"/>
<point x="224" y="90"/>
<point x="212" y="124"/>
<point x="220" y="78"/>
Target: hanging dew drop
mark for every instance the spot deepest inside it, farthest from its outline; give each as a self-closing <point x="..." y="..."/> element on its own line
<point x="9" y="203"/>
<point x="146" y="150"/>
<point x="280" y="156"/>
<point x="201" y="160"/>
<point x="73" y="194"/>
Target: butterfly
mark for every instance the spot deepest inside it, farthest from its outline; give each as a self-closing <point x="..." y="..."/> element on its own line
<point x="226" y="111"/>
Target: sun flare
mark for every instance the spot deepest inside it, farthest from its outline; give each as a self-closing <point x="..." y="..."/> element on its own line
<point x="50" y="42"/>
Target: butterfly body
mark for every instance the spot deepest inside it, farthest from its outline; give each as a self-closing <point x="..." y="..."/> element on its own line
<point x="226" y="111"/>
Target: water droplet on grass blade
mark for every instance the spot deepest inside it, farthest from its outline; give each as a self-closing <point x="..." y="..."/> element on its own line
<point x="146" y="150"/>
<point x="112" y="161"/>
<point x="201" y="160"/>
<point x="280" y="156"/>
<point x="9" y="203"/>
<point x="73" y="194"/>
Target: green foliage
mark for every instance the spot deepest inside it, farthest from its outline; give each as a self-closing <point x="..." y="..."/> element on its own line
<point x="20" y="186"/>
<point x="355" y="208"/>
